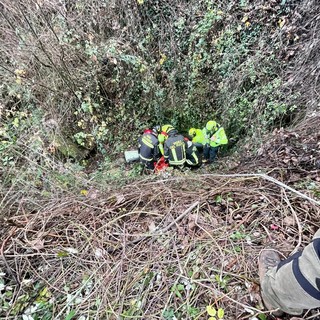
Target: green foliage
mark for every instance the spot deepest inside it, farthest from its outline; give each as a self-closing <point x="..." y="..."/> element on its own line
<point x="238" y="235"/>
<point x="36" y="301"/>
<point x="309" y="185"/>
<point x="262" y="316"/>
<point x="70" y="315"/>
<point x="168" y="314"/>
<point x="193" y="312"/>
<point x="75" y="84"/>
<point x="96" y="83"/>
<point x="33" y="304"/>
<point x="106" y="90"/>
<point x="222" y="281"/>
<point x="178" y="289"/>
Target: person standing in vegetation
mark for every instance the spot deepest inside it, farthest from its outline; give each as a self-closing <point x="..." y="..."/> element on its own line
<point x="198" y="138"/>
<point x="215" y="136"/>
<point x="149" y="148"/>
<point x="175" y="149"/>
<point x="293" y="284"/>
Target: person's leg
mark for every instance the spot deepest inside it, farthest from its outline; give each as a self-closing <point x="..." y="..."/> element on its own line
<point x="200" y="147"/>
<point x="206" y="149"/>
<point x="148" y="166"/>
<point x="213" y="153"/>
<point x="294" y="284"/>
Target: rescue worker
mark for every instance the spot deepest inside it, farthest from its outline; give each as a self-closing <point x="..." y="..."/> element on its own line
<point x="215" y="136"/>
<point x="293" y="284"/>
<point x="163" y="135"/>
<point x="193" y="157"/>
<point x="175" y="148"/>
<point x="149" y="148"/>
<point x="197" y="138"/>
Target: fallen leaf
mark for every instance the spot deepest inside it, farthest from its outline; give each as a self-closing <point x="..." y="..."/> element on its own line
<point x="84" y="192"/>
<point x="99" y="252"/>
<point x="20" y="72"/>
<point x="211" y="311"/>
<point x="37" y="244"/>
<point x="281" y="22"/>
<point x="220" y="313"/>
<point x="191" y="225"/>
<point x="163" y="59"/>
<point x="120" y="198"/>
<point x="289" y="221"/>
<point x="92" y="194"/>
<point x="152" y="226"/>
<point x="72" y="250"/>
<point x="245" y="19"/>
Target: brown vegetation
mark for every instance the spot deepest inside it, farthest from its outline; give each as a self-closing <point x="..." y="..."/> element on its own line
<point x="166" y="246"/>
<point x="174" y="244"/>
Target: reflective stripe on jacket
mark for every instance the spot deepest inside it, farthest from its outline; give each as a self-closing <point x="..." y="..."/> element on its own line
<point x="193" y="157"/>
<point x="148" y="147"/>
<point x="216" y="138"/>
<point x="175" y="150"/>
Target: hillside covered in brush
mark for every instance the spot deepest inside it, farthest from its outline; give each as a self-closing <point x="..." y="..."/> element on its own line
<point x="83" y="235"/>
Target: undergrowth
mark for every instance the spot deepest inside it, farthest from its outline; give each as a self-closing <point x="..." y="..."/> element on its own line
<point x="151" y="250"/>
<point x="104" y="71"/>
<point x="80" y="81"/>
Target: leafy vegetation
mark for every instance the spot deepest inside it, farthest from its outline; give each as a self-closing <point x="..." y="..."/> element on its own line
<point x="101" y="72"/>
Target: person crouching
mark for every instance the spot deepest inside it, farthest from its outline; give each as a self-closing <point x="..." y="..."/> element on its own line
<point x="175" y="149"/>
<point x="149" y="148"/>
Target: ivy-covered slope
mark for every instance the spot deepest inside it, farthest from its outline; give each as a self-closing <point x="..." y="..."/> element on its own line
<point x="105" y="70"/>
<point x="84" y="78"/>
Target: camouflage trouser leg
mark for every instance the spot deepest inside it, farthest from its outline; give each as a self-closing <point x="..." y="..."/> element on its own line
<point x="295" y="284"/>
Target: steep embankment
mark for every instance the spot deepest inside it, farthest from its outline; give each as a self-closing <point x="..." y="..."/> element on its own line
<point x="167" y="248"/>
<point x="164" y="248"/>
<point x="111" y="244"/>
<point x="95" y="74"/>
<point x="84" y="80"/>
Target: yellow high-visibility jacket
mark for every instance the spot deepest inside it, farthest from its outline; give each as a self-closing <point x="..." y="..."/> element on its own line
<point x="199" y="138"/>
<point x="217" y="138"/>
<point x="165" y="129"/>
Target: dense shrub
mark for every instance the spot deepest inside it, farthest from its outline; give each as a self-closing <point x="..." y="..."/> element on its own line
<point x="92" y="74"/>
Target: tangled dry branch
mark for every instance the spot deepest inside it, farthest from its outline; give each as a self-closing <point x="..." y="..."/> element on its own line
<point x="178" y="244"/>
